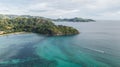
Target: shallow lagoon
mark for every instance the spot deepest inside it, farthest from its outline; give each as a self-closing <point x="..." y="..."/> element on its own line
<point x="97" y="46"/>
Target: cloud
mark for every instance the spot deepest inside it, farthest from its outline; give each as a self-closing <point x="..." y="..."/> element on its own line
<point x="65" y="8"/>
<point x="38" y="6"/>
<point x="60" y="12"/>
<point x="104" y="4"/>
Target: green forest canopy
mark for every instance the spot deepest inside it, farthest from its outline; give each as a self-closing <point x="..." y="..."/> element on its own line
<point x="35" y="25"/>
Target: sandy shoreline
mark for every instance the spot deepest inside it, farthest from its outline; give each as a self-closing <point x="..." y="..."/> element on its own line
<point x="13" y="33"/>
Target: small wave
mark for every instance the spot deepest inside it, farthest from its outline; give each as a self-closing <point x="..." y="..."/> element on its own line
<point x="100" y="51"/>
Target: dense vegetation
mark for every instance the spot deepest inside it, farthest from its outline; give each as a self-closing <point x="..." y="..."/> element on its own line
<point x="36" y="25"/>
<point x="76" y="19"/>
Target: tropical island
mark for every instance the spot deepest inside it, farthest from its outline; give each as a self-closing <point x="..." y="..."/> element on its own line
<point x="40" y="25"/>
<point x="76" y="19"/>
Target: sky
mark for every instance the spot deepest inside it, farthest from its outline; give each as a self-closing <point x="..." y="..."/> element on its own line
<point x="94" y="9"/>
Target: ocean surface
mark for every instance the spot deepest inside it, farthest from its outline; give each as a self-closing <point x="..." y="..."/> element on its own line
<point x="97" y="45"/>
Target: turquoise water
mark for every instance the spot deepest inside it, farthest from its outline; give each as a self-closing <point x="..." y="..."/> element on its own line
<point x="97" y="46"/>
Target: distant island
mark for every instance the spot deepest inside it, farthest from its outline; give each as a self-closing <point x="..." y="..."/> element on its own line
<point x="35" y="24"/>
<point x="76" y="19"/>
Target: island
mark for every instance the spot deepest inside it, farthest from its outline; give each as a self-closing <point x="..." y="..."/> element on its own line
<point x="76" y="19"/>
<point x="33" y="24"/>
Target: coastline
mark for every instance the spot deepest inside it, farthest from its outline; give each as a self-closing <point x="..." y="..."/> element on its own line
<point x="5" y="34"/>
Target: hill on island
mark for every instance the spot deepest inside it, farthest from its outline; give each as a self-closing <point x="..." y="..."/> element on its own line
<point x="35" y="24"/>
<point x="76" y="19"/>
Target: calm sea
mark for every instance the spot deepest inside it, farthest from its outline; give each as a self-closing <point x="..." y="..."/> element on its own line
<point x="97" y="45"/>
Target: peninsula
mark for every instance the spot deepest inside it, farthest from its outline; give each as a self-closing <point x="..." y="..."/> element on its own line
<point x="12" y="24"/>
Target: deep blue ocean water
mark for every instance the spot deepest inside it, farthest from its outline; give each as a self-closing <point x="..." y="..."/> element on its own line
<point x="97" y="45"/>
